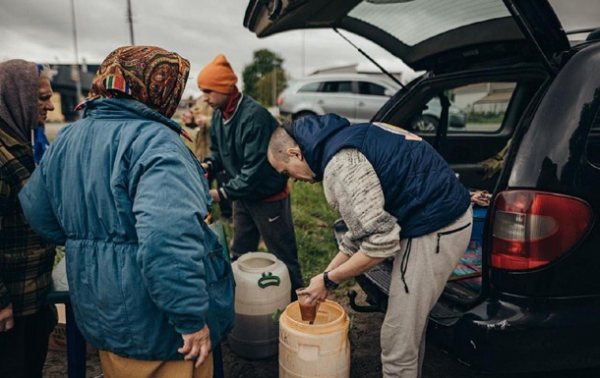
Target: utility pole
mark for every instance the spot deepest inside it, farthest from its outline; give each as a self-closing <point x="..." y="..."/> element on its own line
<point x="274" y="74"/>
<point x="303" y="55"/>
<point x="130" y="20"/>
<point x="75" y="72"/>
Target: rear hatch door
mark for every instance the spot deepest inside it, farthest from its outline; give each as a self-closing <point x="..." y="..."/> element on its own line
<point x="425" y="34"/>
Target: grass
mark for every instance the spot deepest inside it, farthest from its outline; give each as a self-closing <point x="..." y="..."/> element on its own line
<point x="313" y="219"/>
<point x="485" y="118"/>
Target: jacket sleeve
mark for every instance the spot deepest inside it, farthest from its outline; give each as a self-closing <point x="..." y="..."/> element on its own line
<point x="38" y="209"/>
<point x="169" y="206"/>
<point x="214" y="159"/>
<point x="352" y="187"/>
<point x="255" y="140"/>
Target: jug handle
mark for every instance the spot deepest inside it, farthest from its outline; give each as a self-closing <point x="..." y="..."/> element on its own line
<point x="276" y="316"/>
<point x="268" y="279"/>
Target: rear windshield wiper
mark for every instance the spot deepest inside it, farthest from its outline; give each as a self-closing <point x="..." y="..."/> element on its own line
<point x="372" y="60"/>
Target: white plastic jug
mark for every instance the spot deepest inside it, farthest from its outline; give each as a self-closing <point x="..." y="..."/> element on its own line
<point x="262" y="287"/>
<point x="319" y="350"/>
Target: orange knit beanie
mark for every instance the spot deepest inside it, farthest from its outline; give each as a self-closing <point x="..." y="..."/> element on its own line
<point x="217" y="76"/>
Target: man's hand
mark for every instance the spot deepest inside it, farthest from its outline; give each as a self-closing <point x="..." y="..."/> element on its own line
<point x="196" y="346"/>
<point x="6" y="318"/>
<point x="317" y="292"/>
<point x="188" y="119"/>
<point x="200" y="121"/>
<point x="215" y="195"/>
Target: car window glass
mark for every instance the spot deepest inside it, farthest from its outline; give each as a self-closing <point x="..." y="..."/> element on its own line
<point x="416" y="21"/>
<point x="474" y="108"/>
<point x="310" y="87"/>
<point x="576" y="15"/>
<point x="366" y="88"/>
<point x="337" y="87"/>
<point x="592" y="148"/>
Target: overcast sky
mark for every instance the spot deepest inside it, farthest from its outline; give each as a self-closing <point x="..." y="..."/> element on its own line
<point x="41" y="31"/>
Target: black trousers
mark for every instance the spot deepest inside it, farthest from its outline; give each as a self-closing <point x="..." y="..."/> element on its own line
<point x="272" y="221"/>
<point x="23" y="349"/>
<point x="224" y="205"/>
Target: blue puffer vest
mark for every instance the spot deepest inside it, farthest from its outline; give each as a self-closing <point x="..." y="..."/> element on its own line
<point x="420" y="189"/>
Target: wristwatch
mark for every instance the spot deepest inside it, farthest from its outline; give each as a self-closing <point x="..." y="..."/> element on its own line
<point x="329" y="284"/>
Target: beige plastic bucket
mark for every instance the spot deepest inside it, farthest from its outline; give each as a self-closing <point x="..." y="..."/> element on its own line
<point x="318" y="350"/>
<point x="262" y="287"/>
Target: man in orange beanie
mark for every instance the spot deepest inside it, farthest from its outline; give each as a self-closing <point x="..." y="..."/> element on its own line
<point x="239" y="139"/>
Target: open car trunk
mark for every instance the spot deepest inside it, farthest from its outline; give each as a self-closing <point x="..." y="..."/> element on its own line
<point x="491" y="64"/>
<point x="520" y="39"/>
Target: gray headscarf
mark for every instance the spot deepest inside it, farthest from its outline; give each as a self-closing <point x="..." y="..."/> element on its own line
<point x="19" y="87"/>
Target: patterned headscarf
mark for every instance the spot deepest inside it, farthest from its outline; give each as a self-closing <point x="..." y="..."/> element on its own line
<point x="19" y="89"/>
<point x="151" y="75"/>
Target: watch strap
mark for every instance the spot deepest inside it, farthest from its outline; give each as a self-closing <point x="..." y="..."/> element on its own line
<point x="329" y="284"/>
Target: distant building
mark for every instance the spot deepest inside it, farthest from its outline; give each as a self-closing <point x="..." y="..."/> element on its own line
<point x="64" y="86"/>
<point x="484" y="98"/>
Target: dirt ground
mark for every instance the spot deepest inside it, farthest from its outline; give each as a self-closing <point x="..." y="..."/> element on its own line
<point x="364" y="341"/>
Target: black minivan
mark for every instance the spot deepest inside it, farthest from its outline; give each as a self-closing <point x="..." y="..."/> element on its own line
<point x="531" y="300"/>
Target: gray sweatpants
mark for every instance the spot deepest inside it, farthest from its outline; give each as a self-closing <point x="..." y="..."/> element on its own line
<point x="427" y="269"/>
<point x="273" y="221"/>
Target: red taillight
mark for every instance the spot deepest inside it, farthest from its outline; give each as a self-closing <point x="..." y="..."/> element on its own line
<point x="531" y="229"/>
<point x="279" y="101"/>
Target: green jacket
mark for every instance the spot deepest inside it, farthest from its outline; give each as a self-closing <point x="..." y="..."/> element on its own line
<point x="239" y="146"/>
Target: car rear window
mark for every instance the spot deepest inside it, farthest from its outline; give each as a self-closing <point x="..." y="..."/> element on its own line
<point x="415" y="21"/>
<point x="310" y="87"/>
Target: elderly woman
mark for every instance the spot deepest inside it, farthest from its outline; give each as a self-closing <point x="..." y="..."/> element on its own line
<point x="26" y="260"/>
<point x="128" y="199"/>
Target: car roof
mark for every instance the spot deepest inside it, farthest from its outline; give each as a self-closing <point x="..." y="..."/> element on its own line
<point x="347" y="76"/>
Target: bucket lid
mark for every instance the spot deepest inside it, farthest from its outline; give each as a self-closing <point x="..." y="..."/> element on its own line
<point x="256" y="262"/>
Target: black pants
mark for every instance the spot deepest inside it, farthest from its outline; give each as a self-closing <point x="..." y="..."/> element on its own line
<point x="23" y="349"/>
<point x="224" y="205"/>
<point x="272" y="221"/>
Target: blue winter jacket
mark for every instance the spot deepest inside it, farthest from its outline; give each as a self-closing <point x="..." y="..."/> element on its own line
<point x="128" y="199"/>
<point x="419" y="187"/>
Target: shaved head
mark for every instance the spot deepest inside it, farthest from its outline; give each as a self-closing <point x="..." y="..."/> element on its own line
<point x="286" y="157"/>
<point x="279" y="144"/>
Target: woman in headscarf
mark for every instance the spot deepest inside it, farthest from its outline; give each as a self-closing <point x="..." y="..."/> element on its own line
<point x="26" y="260"/>
<point x="129" y="200"/>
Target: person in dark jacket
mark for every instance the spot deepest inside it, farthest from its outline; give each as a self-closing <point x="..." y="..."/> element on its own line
<point x="148" y="282"/>
<point x="399" y="199"/>
<point x="26" y="260"/>
<point x="239" y="137"/>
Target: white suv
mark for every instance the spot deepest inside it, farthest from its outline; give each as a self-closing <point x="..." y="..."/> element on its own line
<point x="354" y="96"/>
<point x="357" y="97"/>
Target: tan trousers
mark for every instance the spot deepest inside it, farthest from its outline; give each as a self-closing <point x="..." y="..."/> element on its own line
<point x="114" y="366"/>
